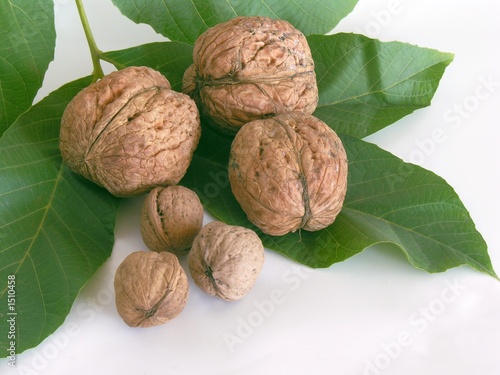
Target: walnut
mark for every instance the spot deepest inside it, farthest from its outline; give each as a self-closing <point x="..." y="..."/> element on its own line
<point x="225" y="260"/>
<point x="288" y="172"/>
<point x="251" y="68"/>
<point x="171" y="218"/>
<point x="150" y="288"/>
<point x="129" y="132"/>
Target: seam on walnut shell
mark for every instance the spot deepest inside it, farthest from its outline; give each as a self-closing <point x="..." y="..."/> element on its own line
<point x="152" y="311"/>
<point x="302" y="176"/>
<point x="90" y="148"/>
<point x="207" y="270"/>
<point x="231" y="79"/>
<point x="159" y="225"/>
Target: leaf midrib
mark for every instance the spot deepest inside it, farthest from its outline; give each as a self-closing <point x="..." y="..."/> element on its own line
<point x="415" y="234"/>
<point x="380" y="91"/>
<point x="39" y="229"/>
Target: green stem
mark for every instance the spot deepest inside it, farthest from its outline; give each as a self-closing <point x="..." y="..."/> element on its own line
<point x="94" y="51"/>
<point x="116" y="64"/>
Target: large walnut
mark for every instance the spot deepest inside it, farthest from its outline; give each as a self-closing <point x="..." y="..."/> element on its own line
<point x="288" y="172"/>
<point x="150" y="288"/>
<point x="171" y="218"/>
<point x="129" y="132"/>
<point x="225" y="260"/>
<point x="251" y="68"/>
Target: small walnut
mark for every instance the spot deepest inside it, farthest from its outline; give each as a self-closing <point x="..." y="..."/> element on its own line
<point x="288" y="172"/>
<point x="225" y="260"/>
<point x="129" y="132"/>
<point x="150" y="288"/>
<point x="251" y="68"/>
<point x="171" y="218"/>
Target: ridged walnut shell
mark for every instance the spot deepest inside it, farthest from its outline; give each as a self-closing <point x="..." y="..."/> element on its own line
<point x="129" y="132"/>
<point x="225" y="260"/>
<point x="150" y="288"/>
<point x="288" y="172"/>
<point x="171" y="218"/>
<point x="251" y="68"/>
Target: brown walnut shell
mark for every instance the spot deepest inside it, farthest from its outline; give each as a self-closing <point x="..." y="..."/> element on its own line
<point x="251" y="68"/>
<point x="288" y="172"/>
<point x="225" y="260"/>
<point x="129" y="132"/>
<point x="150" y="288"/>
<point x="171" y="218"/>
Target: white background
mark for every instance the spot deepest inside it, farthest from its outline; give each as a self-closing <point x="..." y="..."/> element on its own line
<point x="372" y="314"/>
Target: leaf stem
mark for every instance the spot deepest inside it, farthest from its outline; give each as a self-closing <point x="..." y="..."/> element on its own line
<point x="95" y="52"/>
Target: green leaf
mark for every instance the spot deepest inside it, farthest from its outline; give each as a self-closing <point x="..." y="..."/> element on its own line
<point x="28" y="39"/>
<point x="183" y="21"/>
<point x="56" y="228"/>
<point x="366" y="84"/>
<point x="170" y="58"/>
<point x="387" y="201"/>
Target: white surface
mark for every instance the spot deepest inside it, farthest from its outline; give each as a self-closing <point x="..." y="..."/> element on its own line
<point x="372" y="314"/>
